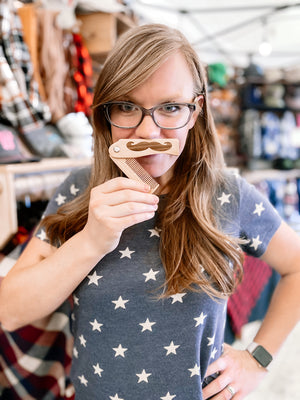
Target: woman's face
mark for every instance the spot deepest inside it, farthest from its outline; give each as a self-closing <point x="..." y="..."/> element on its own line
<point x="172" y="82"/>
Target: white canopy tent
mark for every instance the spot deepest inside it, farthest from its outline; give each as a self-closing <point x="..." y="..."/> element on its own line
<point x="232" y="31"/>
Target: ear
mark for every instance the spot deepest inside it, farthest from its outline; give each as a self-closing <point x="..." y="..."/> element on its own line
<point x="199" y="100"/>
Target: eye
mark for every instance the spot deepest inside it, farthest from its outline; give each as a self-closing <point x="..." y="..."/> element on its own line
<point x="127" y="107"/>
<point x="170" y="108"/>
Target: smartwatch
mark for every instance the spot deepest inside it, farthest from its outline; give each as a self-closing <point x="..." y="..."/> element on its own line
<point x="261" y="355"/>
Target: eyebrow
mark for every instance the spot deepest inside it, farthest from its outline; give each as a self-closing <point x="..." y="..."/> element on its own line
<point x="173" y="99"/>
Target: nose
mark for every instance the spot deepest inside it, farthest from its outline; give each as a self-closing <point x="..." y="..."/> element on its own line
<point x="147" y="128"/>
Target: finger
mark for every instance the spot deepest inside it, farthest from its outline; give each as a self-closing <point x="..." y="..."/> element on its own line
<point x="127" y="196"/>
<point x="121" y="204"/>
<point x="133" y="219"/>
<point x="122" y="183"/>
<point x="217" y="386"/>
<point x="216" y="366"/>
<point x="228" y="393"/>
<point x="129" y="208"/>
<point x="112" y="193"/>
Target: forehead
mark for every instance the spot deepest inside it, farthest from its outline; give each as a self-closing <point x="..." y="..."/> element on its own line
<point x="172" y="81"/>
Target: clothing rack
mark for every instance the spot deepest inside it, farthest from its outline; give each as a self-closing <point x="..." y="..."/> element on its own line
<point x="38" y="180"/>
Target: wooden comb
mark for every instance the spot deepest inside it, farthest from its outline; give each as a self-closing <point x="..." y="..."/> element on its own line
<point x="125" y="151"/>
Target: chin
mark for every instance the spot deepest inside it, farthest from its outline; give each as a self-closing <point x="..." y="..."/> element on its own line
<point x="155" y="169"/>
<point x="162" y="176"/>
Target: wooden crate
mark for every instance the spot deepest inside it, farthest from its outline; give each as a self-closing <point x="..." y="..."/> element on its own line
<point x="99" y="31"/>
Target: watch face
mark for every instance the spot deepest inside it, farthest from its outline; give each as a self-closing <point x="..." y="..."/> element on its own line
<point x="262" y="356"/>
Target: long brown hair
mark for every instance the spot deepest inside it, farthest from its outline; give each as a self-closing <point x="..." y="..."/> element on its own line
<point x="190" y="238"/>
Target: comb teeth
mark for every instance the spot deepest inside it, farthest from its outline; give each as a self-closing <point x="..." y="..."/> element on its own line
<point x="133" y="170"/>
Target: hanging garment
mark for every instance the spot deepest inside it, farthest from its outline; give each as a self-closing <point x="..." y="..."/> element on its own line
<point x="83" y="76"/>
<point x="287" y="126"/>
<point x="270" y="128"/>
<point x="35" y="362"/>
<point x="53" y="65"/>
<point x="20" y="103"/>
<point x="70" y="86"/>
<point x="27" y="14"/>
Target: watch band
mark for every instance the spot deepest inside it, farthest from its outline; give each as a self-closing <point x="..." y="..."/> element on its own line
<point x="261" y="355"/>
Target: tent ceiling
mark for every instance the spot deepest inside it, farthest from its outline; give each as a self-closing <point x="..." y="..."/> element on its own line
<point x="232" y="31"/>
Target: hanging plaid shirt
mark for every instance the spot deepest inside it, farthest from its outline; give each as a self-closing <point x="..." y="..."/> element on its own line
<point x="35" y="362"/>
<point x="20" y="103"/>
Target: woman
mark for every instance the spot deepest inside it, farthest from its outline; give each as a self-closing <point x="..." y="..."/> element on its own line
<point x="150" y="273"/>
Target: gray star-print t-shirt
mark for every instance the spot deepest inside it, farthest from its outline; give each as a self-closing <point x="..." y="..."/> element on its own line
<point x="128" y="345"/>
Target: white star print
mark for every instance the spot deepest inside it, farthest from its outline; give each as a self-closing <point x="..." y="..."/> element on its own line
<point x="75" y="352"/>
<point x="96" y="326"/>
<point x="177" y="297"/>
<point x="171" y="349"/>
<point x="126" y="253"/>
<point x="73" y="189"/>
<point x="120" y="351"/>
<point x="224" y="198"/>
<point x="94" y="278"/>
<point x="143" y="376"/>
<point x="120" y="303"/>
<point x="213" y="353"/>
<point x="200" y="320"/>
<point x="82" y="340"/>
<point x="255" y="242"/>
<point x="115" y="397"/>
<point x="83" y="381"/>
<point x="147" y="325"/>
<point x="211" y="340"/>
<point x="168" y="396"/>
<point x="259" y="208"/>
<point x="76" y="300"/>
<point x="60" y="199"/>
<point x="97" y="369"/>
<point x="150" y="275"/>
<point x="195" y="370"/>
<point x="42" y="235"/>
<point x="154" y="232"/>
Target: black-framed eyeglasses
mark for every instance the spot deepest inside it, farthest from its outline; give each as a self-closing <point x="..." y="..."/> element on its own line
<point x="127" y="115"/>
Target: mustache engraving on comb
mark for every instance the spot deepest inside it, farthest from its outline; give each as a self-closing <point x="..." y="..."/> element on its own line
<point x="141" y="146"/>
<point x="125" y="151"/>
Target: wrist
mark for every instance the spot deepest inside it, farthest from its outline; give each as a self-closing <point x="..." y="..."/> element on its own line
<point x="260" y="354"/>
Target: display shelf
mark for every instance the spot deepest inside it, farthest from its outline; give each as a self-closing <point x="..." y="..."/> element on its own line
<point x="270" y="96"/>
<point x="10" y="174"/>
<point x="270" y="174"/>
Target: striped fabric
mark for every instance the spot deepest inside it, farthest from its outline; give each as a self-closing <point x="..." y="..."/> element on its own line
<point x="20" y="103"/>
<point x="35" y="362"/>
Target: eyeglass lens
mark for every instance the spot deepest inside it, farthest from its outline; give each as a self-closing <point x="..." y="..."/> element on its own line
<point x="169" y="116"/>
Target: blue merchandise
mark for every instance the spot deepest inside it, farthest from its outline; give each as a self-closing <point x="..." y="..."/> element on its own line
<point x="271" y="136"/>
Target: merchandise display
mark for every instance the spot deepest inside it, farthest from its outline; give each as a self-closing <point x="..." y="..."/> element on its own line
<point x="37" y="92"/>
<point x="269" y="123"/>
<point x="11" y="150"/>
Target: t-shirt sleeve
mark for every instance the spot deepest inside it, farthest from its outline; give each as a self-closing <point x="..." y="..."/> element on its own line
<point x="258" y="219"/>
<point x="73" y="186"/>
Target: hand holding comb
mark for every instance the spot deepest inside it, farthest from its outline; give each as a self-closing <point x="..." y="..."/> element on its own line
<point x="125" y="151"/>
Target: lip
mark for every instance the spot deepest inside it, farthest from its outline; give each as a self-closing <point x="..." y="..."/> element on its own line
<point x="148" y="158"/>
